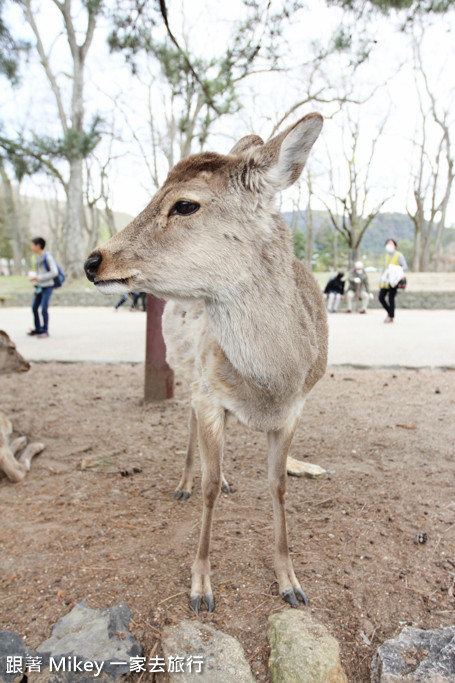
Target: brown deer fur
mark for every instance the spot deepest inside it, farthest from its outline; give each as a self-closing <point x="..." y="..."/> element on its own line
<point x="247" y="325"/>
<point x="14" y="467"/>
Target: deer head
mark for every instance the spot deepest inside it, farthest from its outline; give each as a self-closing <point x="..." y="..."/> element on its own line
<point x="200" y="234"/>
<point x="10" y="359"/>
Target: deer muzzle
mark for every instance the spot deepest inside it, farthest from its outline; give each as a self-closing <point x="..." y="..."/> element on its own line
<point x="92" y="264"/>
<point x="109" y="276"/>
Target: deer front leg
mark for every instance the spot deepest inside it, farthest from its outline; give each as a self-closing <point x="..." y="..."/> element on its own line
<point x="211" y="425"/>
<point x="278" y="446"/>
<point x="183" y="490"/>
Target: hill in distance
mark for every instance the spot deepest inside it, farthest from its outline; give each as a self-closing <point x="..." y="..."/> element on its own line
<point x="396" y="225"/>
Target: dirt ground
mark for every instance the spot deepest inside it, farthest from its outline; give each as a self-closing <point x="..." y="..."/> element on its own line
<point x="373" y="545"/>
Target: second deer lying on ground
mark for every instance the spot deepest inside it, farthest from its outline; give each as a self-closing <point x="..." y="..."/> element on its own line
<point x="14" y="467"/>
<point x="250" y="326"/>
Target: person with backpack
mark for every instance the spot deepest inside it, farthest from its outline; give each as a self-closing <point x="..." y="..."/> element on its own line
<point x="47" y="276"/>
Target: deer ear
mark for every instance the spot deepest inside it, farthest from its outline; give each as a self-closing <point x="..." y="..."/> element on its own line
<point x="285" y="155"/>
<point x="245" y="144"/>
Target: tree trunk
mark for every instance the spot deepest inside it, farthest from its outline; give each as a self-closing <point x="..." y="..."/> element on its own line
<point x="94" y="227"/>
<point x="335" y="250"/>
<point x="438" y="264"/>
<point x="56" y="219"/>
<point x="110" y="220"/>
<point x="188" y="135"/>
<point x="13" y="222"/>
<point x="74" y="252"/>
<point x="419" y="227"/>
<point x="354" y="241"/>
<point x="309" y="223"/>
<point x="353" y="255"/>
<point x="425" y="253"/>
<point x="74" y="239"/>
<point x="417" y="247"/>
<point x="442" y="220"/>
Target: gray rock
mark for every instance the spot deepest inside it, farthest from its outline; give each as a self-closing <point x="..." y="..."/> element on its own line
<point x="302" y="650"/>
<point x="416" y="656"/>
<point x="11" y="645"/>
<point x="223" y="660"/>
<point x="85" y="645"/>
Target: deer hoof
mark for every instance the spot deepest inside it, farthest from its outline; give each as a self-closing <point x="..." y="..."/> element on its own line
<point x="181" y="495"/>
<point x="210" y="602"/>
<point x="301" y="596"/>
<point x="290" y="597"/>
<point x="225" y="487"/>
<point x="195" y="602"/>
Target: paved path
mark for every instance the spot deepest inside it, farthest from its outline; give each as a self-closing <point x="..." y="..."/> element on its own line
<point x="416" y="339"/>
<point x="79" y="334"/>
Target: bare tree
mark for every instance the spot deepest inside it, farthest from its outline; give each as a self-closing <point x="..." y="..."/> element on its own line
<point x="159" y="143"/>
<point x="97" y="192"/>
<point x="351" y="210"/>
<point x="187" y="93"/>
<point x="306" y="215"/>
<point x="55" y="214"/>
<point x="434" y="171"/>
<point x="324" y="79"/>
<point x="76" y="142"/>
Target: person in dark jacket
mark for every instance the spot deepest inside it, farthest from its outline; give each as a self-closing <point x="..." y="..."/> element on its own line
<point x="136" y="296"/>
<point x="334" y="290"/>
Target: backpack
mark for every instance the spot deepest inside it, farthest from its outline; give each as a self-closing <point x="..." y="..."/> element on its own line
<point x="58" y="279"/>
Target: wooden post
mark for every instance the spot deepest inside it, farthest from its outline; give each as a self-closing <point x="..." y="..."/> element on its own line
<point x="159" y="378"/>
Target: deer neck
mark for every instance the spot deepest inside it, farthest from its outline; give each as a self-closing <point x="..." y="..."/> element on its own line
<point x="258" y="331"/>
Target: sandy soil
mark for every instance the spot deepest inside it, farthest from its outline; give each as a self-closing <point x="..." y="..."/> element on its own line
<point x="85" y="525"/>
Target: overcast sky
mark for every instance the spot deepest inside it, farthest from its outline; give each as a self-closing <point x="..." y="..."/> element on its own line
<point x="113" y="92"/>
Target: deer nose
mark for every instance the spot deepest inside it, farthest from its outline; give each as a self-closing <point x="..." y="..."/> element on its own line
<point x="92" y="264"/>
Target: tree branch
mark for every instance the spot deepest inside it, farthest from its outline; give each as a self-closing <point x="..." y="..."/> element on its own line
<point x="45" y="62"/>
<point x="210" y="102"/>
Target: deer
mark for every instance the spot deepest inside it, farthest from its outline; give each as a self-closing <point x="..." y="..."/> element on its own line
<point x="15" y="468"/>
<point x="244" y="318"/>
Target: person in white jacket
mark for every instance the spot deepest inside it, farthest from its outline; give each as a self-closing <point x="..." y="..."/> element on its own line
<point x="46" y="271"/>
<point x="394" y="269"/>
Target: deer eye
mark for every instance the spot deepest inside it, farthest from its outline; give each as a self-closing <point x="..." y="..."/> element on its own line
<point x="184" y="208"/>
